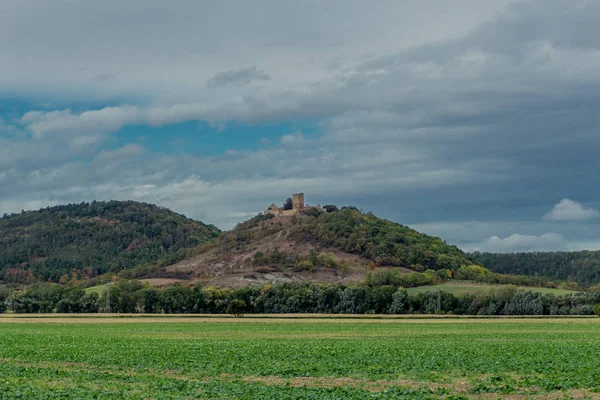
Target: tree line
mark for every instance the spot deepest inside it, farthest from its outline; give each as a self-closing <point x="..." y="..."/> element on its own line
<point x="131" y="296"/>
<point x="582" y="267"/>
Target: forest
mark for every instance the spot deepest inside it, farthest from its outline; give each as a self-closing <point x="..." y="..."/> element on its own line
<point x="385" y="242"/>
<point x="582" y="267"/>
<point x="81" y="241"/>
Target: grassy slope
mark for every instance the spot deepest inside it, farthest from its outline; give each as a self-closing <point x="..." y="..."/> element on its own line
<point x="471" y="287"/>
<point x="96" y="289"/>
<point x="318" y="359"/>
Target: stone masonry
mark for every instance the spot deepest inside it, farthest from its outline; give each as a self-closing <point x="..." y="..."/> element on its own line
<point x="298" y="207"/>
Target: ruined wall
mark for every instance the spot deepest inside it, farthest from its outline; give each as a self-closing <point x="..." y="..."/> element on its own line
<point x="298" y="202"/>
<point x="281" y="212"/>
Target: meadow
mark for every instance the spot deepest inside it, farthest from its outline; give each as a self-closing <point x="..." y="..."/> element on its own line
<point x="463" y="287"/>
<point x="287" y="358"/>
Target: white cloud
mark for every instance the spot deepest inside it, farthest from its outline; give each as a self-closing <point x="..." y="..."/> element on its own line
<point x="521" y="243"/>
<point x="468" y="235"/>
<point x="106" y="120"/>
<point x="569" y="210"/>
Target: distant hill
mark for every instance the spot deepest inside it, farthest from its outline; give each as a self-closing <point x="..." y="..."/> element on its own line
<point x="88" y="239"/>
<point x="335" y="247"/>
<point x="582" y="267"/>
<point x="77" y="242"/>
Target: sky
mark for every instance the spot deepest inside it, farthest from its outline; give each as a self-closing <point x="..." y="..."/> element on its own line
<point x="476" y="121"/>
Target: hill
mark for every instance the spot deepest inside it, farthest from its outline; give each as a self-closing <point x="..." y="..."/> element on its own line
<point x="335" y="247"/>
<point x="582" y="267"/>
<point x="79" y="241"/>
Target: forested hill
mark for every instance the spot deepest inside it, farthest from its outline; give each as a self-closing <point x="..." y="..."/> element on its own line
<point x="383" y="241"/>
<point x="89" y="239"/>
<point x="582" y="267"/>
<point x="339" y="246"/>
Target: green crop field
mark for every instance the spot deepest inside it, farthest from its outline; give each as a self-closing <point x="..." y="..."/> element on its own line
<point x="309" y="358"/>
<point x="473" y="287"/>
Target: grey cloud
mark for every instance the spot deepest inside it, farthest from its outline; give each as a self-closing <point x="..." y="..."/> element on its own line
<point x="8" y="130"/>
<point x="238" y="77"/>
<point x="191" y="40"/>
<point x="104" y="77"/>
<point x="491" y="126"/>
<point x="124" y="153"/>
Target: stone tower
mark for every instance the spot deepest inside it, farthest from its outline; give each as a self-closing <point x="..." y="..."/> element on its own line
<point x="298" y="202"/>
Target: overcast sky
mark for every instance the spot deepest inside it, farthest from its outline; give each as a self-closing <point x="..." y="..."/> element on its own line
<point x="477" y="121"/>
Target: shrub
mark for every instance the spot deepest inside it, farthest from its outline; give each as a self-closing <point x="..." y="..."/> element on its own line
<point x="312" y="212"/>
<point x="303" y="265"/>
<point x="596" y="309"/>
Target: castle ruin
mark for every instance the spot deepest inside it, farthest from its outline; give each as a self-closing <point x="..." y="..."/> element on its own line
<point x="298" y="202"/>
<point x="298" y="206"/>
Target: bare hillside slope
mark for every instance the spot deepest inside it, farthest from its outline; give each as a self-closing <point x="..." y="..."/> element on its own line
<point x="337" y="247"/>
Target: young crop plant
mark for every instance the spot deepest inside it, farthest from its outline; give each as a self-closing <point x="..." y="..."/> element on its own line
<point x="360" y="358"/>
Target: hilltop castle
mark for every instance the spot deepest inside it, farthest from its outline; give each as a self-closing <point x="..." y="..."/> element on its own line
<point x="297" y="207"/>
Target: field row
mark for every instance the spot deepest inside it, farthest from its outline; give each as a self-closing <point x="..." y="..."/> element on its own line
<point x="262" y="358"/>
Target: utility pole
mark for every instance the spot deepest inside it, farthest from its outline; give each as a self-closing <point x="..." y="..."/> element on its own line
<point x="439" y="301"/>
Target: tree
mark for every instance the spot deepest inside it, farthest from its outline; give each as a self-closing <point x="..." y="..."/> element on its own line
<point x="399" y="301"/>
<point x="288" y="204"/>
<point x="330" y="208"/>
<point x="236" y="307"/>
<point x="596" y="309"/>
<point x="148" y="300"/>
<point x="3" y="297"/>
<point x="177" y="299"/>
